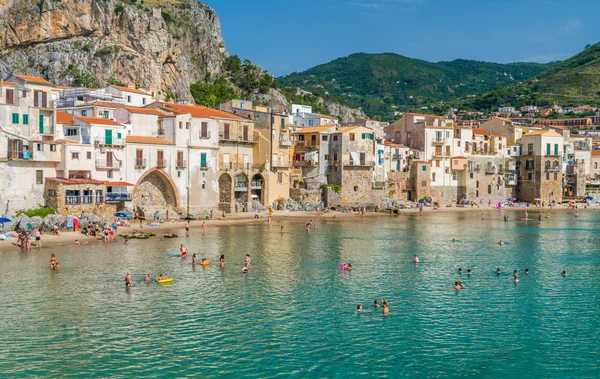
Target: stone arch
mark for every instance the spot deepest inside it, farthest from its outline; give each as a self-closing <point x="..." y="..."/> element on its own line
<point x="240" y="188"/>
<point x="225" y="193"/>
<point x="257" y="188"/>
<point x="155" y="188"/>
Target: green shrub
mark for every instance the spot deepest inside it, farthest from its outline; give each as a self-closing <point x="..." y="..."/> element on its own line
<point x="41" y="212"/>
<point x="119" y="8"/>
<point x="86" y="48"/>
<point x="335" y="187"/>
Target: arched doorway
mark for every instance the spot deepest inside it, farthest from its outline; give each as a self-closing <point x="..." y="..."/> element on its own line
<point x="256" y="188"/>
<point x="240" y="188"/>
<point x="225" y="193"/>
<point x="155" y="190"/>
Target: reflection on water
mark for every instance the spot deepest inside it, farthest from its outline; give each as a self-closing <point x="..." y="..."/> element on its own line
<point x="294" y="313"/>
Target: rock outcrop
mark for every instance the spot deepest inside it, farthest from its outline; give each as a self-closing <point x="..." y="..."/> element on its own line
<point x="167" y="47"/>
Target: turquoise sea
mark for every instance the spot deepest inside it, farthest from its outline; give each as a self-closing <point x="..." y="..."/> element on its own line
<point x="294" y="314"/>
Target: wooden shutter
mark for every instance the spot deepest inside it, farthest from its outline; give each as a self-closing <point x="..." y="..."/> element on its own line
<point x="10" y="148"/>
<point x="226" y="131"/>
<point x="44" y="99"/>
<point x="10" y="96"/>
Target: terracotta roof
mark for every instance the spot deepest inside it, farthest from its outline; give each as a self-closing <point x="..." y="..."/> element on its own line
<point x="144" y="139"/>
<point x="559" y="127"/>
<point x="344" y="129"/>
<point x="313" y="129"/>
<point x="428" y="115"/>
<point x="63" y="117"/>
<point x="199" y="111"/>
<point x="595" y="153"/>
<point x="33" y="79"/>
<point x="101" y="103"/>
<point x="392" y="143"/>
<point x="9" y="84"/>
<point x="547" y="133"/>
<point x="485" y="132"/>
<point x="97" y="121"/>
<point x="132" y="90"/>
<point x="150" y="111"/>
<point x="74" y="181"/>
<point x="119" y="184"/>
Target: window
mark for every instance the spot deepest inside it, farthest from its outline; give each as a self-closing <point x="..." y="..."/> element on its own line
<point x="88" y="155"/>
<point x="548" y="148"/>
<point x="180" y="124"/>
<point x="280" y="175"/>
<point x="187" y="125"/>
<point x="466" y="145"/>
<point x="74" y="155"/>
<point x="313" y="139"/>
<point x="453" y="175"/>
<point x="335" y="138"/>
<point x="52" y="147"/>
<point x="529" y="176"/>
<point x="84" y="113"/>
<point x="555" y="149"/>
<point x="437" y="163"/>
<point x="51" y="193"/>
<point x="204" y="130"/>
<point x="104" y="114"/>
<point x="397" y="134"/>
<point x="595" y="165"/>
<point x="39" y="146"/>
<point x="15" y="118"/>
<point x="324" y="138"/>
<point x="129" y="99"/>
<point x="310" y="122"/>
<point x="423" y="168"/>
<point x="144" y="101"/>
<point x="282" y="122"/>
<point x="433" y="175"/>
<point x="109" y="174"/>
<point x="203" y="184"/>
<point x="471" y="175"/>
<point x="556" y="176"/>
<point x="530" y="149"/>
<point x="71" y="132"/>
<point x="40" y="99"/>
<point x="301" y="137"/>
<point x="548" y="163"/>
<point x="489" y="189"/>
<point x="477" y="183"/>
<point x="25" y="119"/>
<point x="39" y="176"/>
<point x="352" y="137"/>
<point x="10" y="94"/>
<point x="458" y="143"/>
<point x="203" y="160"/>
<point x="547" y="176"/>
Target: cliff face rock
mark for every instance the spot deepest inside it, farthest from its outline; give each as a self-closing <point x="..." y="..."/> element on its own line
<point x="104" y="41"/>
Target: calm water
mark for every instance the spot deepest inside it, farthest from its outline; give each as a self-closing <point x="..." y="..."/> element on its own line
<point x="294" y="314"/>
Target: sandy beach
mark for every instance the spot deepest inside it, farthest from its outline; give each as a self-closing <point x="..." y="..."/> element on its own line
<point x="177" y="226"/>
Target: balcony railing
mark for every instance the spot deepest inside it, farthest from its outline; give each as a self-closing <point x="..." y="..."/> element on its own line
<point x="20" y="154"/>
<point x="236" y="138"/>
<point x="205" y="135"/>
<point x="285" y="142"/>
<point x="280" y="164"/>
<point x="103" y="163"/>
<point x="235" y="166"/>
<point x="483" y="152"/>
<point x="101" y="141"/>
<point x="162" y="163"/>
<point x="47" y="130"/>
<point x="357" y="163"/>
<point x="181" y="164"/>
<point x="439" y="141"/>
<point x="85" y="199"/>
<point x="255" y="184"/>
<point x="240" y="187"/>
<point x="118" y="196"/>
<point x="305" y="163"/>
<point x="441" y="154"/>
<point x="140" y="163"/>
<point x="491" y="170"/>
<point x="552" y="169"/>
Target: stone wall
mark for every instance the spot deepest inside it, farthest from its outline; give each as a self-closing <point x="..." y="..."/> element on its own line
<point x="421" y="179"/>
<point x="357" y="188"/>
<point x="102" y="210"/>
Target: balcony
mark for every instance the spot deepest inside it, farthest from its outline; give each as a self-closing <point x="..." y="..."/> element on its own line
<point x="333" y="163"/>
<point x="357" y="163"/>
<point x="483" y="152"/>
<point x="441" y="154"/>
<point x="285" y="142"/>
<point x="235" y="166"/>
<point x="305" y="163"/>
<point x="47" y="130"/>
<point x="239" y="139"/>
<point x="86" y="199"/>
<point x="240" y="187"/>
<point x="281" y="164"/>
<point x="180" y="164"/>
<point x="104" y="164"/>
<point x="256" y="184"/>
<point x="20" y="155"/>
<point x="117" y="197"/>
<point x="162" y="163"/>
<point x="205" y="135"/>
<point x="490" y="170"/>
<point x="439" y="141"/>
<point x="552" y="169"/>
<point x="140" y="163"/>
<point x="101" y="141"/>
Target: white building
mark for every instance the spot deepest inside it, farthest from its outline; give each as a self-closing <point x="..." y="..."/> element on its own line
<point x="130" y="96"/>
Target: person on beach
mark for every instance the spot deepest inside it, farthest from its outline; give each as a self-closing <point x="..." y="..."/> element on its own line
<point x="222" y="261"/>
<point x="194" y="259"/>
<point x="269" y="220"/>
<point x="245" y="270"/>
<point x="416" y="259"/>
<point x="106" y="234"/>
<point x="187" y="228"/>
<point x="56" y="230"/>
<point x="203" y="227"/>
<point x="457" y="286"/>
<point x="348" y="267"/>
<point x="247" y="261"/>
<point x="385" y="309"/>
<point x="460" y="271"/>
<point x="57" y="266"/>
<point x="281" y="230"/>
<point x="526" y="216"/>
<point x="564" y="273"/>
<point x="38" y="237"/>
<point x="183" y="250"/>
<point x="526" y="271"/>
<point x="128" y="279"/>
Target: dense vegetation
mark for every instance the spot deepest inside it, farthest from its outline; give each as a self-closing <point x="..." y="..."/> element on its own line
<point x="380" y="83"/>
<point x="572" y="82"/>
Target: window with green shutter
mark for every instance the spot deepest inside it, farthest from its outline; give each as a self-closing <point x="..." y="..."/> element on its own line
<point x="555" y="149"/>
<point x="15" y="118"/>
<point x="548" y="149"/>
<point x="41" y="128"/>
<point x="283" y="122"/>
<point x="202" y="159"/>
<point x="423" y="168"/>
<point x="119" y="135"/>
<point x="25" y="119"/>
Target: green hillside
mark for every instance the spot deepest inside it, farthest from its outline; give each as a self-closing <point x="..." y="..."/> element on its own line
<point x="380" y="83"/>
<point x="572" y="82"/>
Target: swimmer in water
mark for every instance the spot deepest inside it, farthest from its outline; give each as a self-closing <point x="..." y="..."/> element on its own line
<point x="526" y="271"/>
<point x="348" y="267"/>
<point x="564" y="273"/>
<point x="501" y="243"/>
<point x="194" y="259"/>
<point x="416" y="259"/>
<point x="245" y="269"/>
<point x="460" y="283"/>
<point x="359" y="308"/>
<point x="457" y="286"/>
<point x="385" y="309"/>
<point x="222" y="260"/>
<point x="128" y="279"/>
<point x="247" y="261"/>
<point x="147" y="278"/>
<point x="460" y="270"/>
<point x="375" y="304"/>
<point x="469" y="272"/>
<point x="453" y="239"/>
<point x="498" y="271"/>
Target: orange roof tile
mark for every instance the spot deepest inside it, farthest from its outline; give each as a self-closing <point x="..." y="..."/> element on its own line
<point x="559" y="127"/>
<point x="392" y="143"/>
<point x="97" y="121"/>
<point x="33" y="79"/>
<point x="132" y="90"/>
<point x="9" y="84"/>
<point x="150" y="111"/>
<point x="485" y="132"/>
<point x="199" y="111"/>
<point x="144" y="139"/>
<point x="547" y="133"/>
<point x="595" y="153"/>
<point x="119" y="184"/>
<point x="64" y="117"/>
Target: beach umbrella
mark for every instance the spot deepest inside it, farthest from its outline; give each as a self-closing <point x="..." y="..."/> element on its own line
<point x="124" y="214"/>
<point x="4" y="219"/>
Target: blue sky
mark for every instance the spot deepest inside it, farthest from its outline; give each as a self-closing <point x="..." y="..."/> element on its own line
<point x="283" y="36"/>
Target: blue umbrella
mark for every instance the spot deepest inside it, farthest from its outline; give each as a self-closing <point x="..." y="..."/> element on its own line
<point x="4" y="219"/>
<point x="124" y="214"/>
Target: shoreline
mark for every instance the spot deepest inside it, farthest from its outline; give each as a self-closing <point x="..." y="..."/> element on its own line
<point x="247" y="218"/>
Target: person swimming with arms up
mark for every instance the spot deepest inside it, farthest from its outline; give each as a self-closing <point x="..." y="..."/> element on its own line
<point x="501" y="243"/>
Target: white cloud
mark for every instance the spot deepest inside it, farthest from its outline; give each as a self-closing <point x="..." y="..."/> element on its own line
<point x="571" y="26"/>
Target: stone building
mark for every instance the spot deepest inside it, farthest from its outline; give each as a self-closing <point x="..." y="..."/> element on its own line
<point x="74" y="196"/>
<point x="539" y="167"/>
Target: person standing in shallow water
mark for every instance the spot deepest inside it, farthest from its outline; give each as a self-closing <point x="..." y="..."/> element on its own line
<point x="128" y="279"/>
<point x="222" y="261"/>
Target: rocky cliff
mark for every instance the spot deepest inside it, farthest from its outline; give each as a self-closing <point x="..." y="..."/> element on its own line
<point x="74" y="42"/>
<point x="164" y="44"/>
